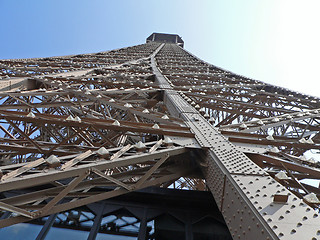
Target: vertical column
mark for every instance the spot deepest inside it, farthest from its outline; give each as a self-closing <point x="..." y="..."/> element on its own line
<point x="188" y="228"/>
<point x="143" y="226"/>
<point x="46" y="227"/>
<point x="96" y="224"/>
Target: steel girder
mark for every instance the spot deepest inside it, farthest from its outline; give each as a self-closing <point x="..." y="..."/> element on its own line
<point x="254" y="205"/>
<point x="74" y="126"/>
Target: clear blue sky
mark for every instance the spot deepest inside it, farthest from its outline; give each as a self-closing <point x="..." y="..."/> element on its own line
<point x="275" y="41"/>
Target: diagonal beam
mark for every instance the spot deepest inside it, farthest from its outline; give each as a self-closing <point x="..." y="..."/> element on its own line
<point x="111" y="179"/>
<point x="151" y="171"/>
<point x="17" y="210"/>
<point x="63" y="193"/>
<point x="24" y="134"/>
<point x="75" y="160"/>
<point x="22" y="170"/>
<point x="156" y="146"/>
<point x="121" y="152"/>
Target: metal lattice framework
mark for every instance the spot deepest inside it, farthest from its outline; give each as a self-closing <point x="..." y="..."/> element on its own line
<point x="79" y="129"/>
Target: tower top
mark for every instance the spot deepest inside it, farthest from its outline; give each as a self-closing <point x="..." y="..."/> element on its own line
<point x="165" y="37"/>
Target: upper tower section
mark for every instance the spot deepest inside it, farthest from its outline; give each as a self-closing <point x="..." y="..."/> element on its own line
<point x="166" y="38"/>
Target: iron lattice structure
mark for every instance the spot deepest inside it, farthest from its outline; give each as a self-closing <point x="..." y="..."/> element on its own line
<point x="79" y="129"/>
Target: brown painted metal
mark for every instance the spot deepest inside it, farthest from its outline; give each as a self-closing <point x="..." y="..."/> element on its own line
<point x="126" y="119"/>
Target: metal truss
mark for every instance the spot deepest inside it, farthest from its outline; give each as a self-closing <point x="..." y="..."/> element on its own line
<point x="142" y="214"/>
<point x="80" y="129"/>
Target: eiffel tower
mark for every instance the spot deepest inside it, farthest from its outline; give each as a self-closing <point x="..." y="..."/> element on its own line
<point x="151" y="142"/>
